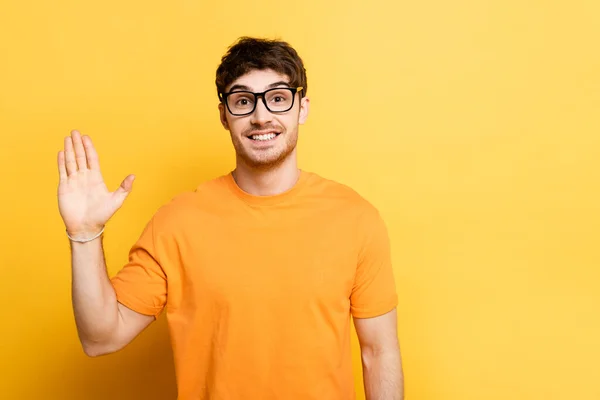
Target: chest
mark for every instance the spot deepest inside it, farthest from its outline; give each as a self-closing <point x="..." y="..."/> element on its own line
<point x="300" y="262"/>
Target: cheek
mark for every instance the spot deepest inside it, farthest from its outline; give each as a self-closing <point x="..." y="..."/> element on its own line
<point x="237" y="127"/>
<point x="289" y="122"/>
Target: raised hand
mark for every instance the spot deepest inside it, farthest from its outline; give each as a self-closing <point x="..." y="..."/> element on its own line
<point x="84" y="202"/>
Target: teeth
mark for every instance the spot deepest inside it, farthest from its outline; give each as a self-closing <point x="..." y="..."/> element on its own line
<point x="268" y="136"/>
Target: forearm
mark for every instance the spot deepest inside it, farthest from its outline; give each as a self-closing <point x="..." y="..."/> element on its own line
<point x="94" y="299"/>
<point x="382" y="374"/>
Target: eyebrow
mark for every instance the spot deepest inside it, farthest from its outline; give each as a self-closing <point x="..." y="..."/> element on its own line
<point x="246" y="88"/>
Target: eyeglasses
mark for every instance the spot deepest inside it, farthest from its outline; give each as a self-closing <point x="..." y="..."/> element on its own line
<point x="276" y="100"/>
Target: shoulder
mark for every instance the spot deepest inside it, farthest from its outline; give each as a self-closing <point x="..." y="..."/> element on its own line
<point x="341" y="194"/>
<point x="184" y="204"/>
<point x="345" y="202"/>
<point x="361" y="216"/>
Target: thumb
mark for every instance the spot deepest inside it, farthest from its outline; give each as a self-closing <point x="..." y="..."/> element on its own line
<point x="124" y="189"/>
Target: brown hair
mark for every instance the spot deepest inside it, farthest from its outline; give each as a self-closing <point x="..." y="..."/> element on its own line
<point x="248" y="54"/>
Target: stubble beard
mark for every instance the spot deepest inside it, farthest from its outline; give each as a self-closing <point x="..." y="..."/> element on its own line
<point x="267" y="158"/>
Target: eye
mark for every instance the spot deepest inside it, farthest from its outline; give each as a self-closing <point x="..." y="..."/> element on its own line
<point x="279" y="96"/>
<point x="242" y="101"/>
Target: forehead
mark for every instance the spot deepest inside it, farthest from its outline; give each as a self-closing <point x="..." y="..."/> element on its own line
<point x="258" y="80"/>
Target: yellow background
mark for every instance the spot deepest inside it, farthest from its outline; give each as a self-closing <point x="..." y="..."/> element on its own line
<point x="472" y="125"/>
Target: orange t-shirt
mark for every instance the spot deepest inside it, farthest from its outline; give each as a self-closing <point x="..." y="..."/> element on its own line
<point x="259" y="290"/>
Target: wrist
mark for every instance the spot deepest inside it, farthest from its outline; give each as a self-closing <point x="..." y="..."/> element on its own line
<point x="83" y="236"/>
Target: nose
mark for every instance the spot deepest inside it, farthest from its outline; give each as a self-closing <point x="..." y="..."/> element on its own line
<point x="261" y="115"/>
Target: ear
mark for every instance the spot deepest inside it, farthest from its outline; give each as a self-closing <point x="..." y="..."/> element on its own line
<point x="223" y="116"/>
<point x="304" y="107"/>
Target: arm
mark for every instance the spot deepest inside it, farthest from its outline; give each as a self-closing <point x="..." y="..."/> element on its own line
<point x="380" y="353"/>
<point x="104" y="325"/>
<point x="86" y="205"/>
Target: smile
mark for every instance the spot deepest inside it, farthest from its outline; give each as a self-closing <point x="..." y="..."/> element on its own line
<point x="264" y="137"/>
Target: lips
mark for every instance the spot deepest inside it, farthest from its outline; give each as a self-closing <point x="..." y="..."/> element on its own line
<point x="262" y="136"/>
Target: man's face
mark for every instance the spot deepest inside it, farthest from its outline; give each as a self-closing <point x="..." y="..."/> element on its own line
<point x="245" y="130"/>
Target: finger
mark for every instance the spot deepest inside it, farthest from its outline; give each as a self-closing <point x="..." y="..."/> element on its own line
<point x="90" y="152"/>
<point x="79" y="151"/>
<point x="123" y="190"/>
<point x="70" y="162"/>
<point x="62" y="170"/>
<point x="126" y="185"/>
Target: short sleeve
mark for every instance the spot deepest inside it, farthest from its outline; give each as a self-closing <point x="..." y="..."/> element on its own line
<point x="141" y="284"/>
<point x="374" y="289"/>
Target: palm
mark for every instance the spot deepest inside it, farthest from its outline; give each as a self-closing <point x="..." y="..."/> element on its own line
<point x="83" y="198"/>
<point x="84" y="201"/>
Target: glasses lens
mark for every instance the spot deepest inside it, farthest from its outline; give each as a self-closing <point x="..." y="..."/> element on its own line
<point x="280" y="99"/>
<point x="240" y="102"/>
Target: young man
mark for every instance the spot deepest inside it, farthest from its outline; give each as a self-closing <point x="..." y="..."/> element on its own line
<point x="258" y="270"/>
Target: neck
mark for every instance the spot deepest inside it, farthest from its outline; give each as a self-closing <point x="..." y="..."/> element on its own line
<point x="267" y="181"/>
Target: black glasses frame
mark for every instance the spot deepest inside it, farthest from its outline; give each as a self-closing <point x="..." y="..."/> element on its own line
<point x="223" y="98"/>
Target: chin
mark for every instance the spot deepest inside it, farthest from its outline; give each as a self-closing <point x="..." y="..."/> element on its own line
<point x="265" y="159"/>
<point x="264" y="162"/>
